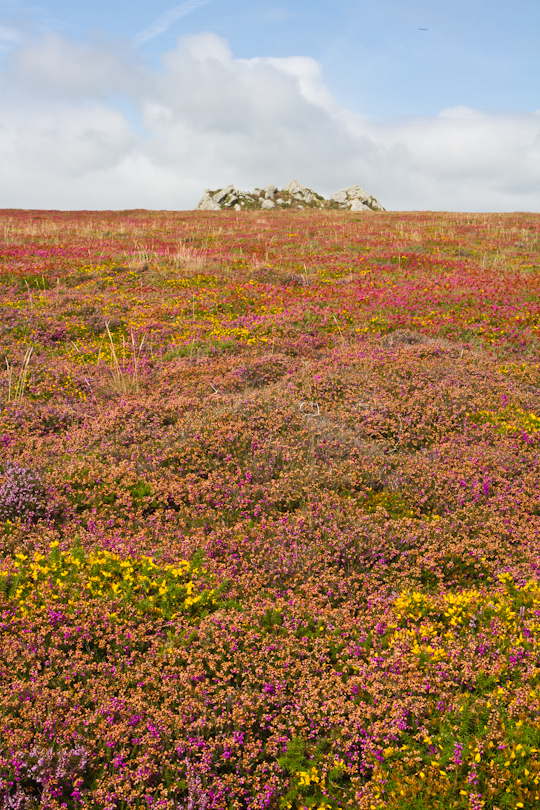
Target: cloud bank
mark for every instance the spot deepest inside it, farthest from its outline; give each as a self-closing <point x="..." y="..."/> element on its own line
<point x="91" y="125"/>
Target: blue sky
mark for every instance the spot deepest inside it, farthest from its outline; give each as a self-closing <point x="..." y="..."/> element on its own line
<point x="148" y="98"/>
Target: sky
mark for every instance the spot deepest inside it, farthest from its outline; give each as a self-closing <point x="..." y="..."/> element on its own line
<point x="427" y="104"/>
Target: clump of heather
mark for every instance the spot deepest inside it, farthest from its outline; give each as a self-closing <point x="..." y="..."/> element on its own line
<point x="45" y="777"/>
<point x="21" y="493"/>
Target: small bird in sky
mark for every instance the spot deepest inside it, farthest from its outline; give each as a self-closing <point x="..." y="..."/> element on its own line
<point x="423" y="29"/>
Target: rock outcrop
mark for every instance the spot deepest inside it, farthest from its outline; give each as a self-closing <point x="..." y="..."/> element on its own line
<point x="294" y="195"/>
<point x="208" y="203"/>
<point x="356" y="199"/>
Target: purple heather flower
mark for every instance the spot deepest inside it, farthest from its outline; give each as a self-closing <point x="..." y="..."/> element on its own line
<point x="20" y="494"/>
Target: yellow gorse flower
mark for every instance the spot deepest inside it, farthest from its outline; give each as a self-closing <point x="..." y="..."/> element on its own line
<point x="164" y="590"/>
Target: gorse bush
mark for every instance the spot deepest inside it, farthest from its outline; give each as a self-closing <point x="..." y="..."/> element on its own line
<point x="317" y="782"/>
<point x="483" y="751"/>
<point x="161" y="590"/>
<point x="509" y="420"/>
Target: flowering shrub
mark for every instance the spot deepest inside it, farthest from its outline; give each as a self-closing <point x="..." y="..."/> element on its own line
<point x="509" y="420"/>
<point x="20" y="493"/>
<point x="45" y="776"/>
<point x="282" y="550"/>
<point x="317" y="783"/>
<point x="483" y="748"/>
<point x="160" y="590"/>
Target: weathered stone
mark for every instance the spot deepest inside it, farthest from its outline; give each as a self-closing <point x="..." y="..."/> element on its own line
<point x="208" y="204"/>
<point x="237" y="207"/>
<point x="224" y="192"/>
<point x="345" y="197"/>
<point x="358" y="205"/>
<point x="356" y="193"/>
<point x="300" y="192"/>
<point x="353" y="198"/>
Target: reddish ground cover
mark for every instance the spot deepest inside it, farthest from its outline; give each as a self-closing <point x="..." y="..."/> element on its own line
<point x="269" y="510"/>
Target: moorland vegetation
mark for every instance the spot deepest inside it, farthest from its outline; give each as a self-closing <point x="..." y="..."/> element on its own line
<point x="269" y="510"/>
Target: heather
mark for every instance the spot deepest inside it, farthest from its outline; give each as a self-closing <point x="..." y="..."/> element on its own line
<point x="269" y="510"/>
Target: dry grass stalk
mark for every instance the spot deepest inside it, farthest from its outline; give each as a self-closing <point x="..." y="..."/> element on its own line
<point x="17" y="384"/>
<point x="125" y="380"/>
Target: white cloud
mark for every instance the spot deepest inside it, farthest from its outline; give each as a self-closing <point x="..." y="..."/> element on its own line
<point x="58" y="67"/>
<point x="67" y="146"/>
<point x="208" y="119"/>
<point x="307" y="72"/>
<point x="460" y="160"/>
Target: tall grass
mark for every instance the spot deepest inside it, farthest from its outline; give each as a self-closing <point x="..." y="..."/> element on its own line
<point x="17" y="381"/>
<point x="126" y="379"/>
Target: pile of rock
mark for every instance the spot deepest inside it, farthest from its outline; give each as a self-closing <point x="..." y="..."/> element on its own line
<point x="355" y="199"/>
<point x="294" y="195"/>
